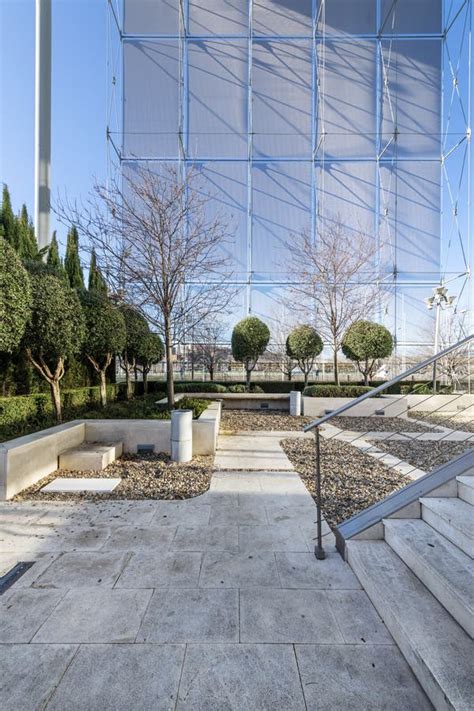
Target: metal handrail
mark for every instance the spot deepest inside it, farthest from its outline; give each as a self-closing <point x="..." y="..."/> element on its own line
<point x="315" y="425"/>
<point x="384" y="386"/>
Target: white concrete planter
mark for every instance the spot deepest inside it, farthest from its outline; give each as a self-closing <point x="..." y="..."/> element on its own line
<point x="389" y="405"/>
<point x="441" y="403"/>
<point x="26" y="460"/>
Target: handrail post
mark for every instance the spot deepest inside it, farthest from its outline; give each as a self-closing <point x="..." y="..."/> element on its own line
<point x="318" y="549"/>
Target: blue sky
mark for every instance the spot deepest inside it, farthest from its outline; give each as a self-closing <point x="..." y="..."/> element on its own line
<point x="78" y="97"/>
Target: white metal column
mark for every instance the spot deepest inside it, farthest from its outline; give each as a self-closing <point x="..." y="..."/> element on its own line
<point x="43" y="122"/>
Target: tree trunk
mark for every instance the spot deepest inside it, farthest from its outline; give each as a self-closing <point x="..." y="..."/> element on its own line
<point x="306" y="376"/>
<point x="128" y="382"/>
<point x="145" y="381"/>
<point x="248" y="375"/>
<point x="169" y="366"/>
<point x="56" y="397"/>
<point x="211" y="372"/>
<point x="103" y="388"/>
<point x="336" y="367"/>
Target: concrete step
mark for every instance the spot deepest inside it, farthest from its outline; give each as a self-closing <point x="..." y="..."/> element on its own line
<point x="90" y="456"/>
<point x="447" y="572"/>
<point x="466" y="488"/>
<point x="453" y="518"/>
<point x="437" y="649"/>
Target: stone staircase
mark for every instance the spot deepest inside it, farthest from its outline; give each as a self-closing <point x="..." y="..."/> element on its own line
<point x="420" y="578"/>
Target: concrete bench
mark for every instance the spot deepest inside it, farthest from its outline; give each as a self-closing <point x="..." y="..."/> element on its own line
<point x="90" y="456"/>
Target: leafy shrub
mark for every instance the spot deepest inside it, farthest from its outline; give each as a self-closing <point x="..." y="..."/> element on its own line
<point x="237" y="388"/>
<point x="256" y="389"/>
<point x="192" y="403"/>
<point x="200" y="388"/>
<point x="352" y="391"/>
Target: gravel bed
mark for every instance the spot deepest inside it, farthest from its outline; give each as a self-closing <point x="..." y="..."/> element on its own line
<point x="270" y="420"/>
<point x="424" y="455"/>
<point x="150" y="476"/>
<point x="377" y="424"/>
<point x="456" y="421"/>
<point x="351" y="480"/>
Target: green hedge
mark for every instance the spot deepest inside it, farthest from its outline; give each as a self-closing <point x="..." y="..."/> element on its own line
<point x="198" y="387"/>
<point x="352" y="391"/>
<point x="24" y="408"/>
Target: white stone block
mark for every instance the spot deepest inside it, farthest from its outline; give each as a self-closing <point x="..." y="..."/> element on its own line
<point x="94" y="484"/>
<point x="90" y="456"/>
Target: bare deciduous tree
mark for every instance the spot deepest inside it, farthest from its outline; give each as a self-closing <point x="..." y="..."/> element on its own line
<point x="333" y="280"/>
<point x="160" y="249"/>
<point x="209" y="349"/>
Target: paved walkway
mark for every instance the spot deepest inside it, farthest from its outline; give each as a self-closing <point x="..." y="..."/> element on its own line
<point x="213" y="603"/>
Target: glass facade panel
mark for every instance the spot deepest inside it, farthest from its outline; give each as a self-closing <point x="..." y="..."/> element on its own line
<point x="297" y="113"/>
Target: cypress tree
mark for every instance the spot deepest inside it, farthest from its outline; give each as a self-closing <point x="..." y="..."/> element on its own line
<point x="27" y="247"/>
<point x="72" y="263"/>
<point x="53" y="259"/>
<point x="8" y="220"/>
<point x="96" y="280"/>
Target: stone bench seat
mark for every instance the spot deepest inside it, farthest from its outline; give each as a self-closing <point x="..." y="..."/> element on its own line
<point x="90" y="456"/>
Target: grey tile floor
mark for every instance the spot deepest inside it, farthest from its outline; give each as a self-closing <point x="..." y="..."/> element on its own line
<point x="213" y="603"/>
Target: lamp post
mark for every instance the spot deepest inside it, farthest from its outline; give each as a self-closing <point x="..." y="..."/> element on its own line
<point x="439" y="300"/>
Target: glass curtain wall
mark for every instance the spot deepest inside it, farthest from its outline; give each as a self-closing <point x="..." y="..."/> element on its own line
<point x="299" y="113"/>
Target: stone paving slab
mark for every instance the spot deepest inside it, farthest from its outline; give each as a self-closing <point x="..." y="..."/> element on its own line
<point x="358" y="677"/>
<point x="251" y="453"/>
<point x="161" y="570"/>
<point x="241" y="678"/>
<point x="96" y="616"/>
<point x="97" y="485"/>
<point x="302" y="570"/>
<point x="83" y="570"/>
<point x="136" y="538"/>
<point x="275" y="616"/>
<point x="30" y="673"/>
<point x="121" y="677"/>
<point x="190" y="616"/>
<point x="23" y="611"/>
<point x="239" y="570"/>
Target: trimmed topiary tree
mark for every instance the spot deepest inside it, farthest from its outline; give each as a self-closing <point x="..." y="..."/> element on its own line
<point x="151" y="351"/>
<point x="365" y="342"/>
<point x="105" y="335"/>
<point x="137" y="331"/>
<point x="303" y="345"/>
<point x="15" y="298"/>
<point x="55" y="331"/>
<point x="250" y="338"/>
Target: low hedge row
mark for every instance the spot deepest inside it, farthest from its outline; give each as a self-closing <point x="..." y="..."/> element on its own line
<point x="336" y="390"/>
<point x="30" y="407"/>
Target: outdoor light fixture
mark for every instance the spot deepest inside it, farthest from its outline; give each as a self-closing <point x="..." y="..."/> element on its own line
<point x="439" y="300"/>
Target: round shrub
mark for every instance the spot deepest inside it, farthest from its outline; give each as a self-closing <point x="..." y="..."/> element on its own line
<point x="250" y="338"/>
<point x="303" y="345"/>
<point x="365" y="342"/>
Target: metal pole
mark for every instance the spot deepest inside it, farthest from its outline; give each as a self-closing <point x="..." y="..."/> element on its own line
<point x="318" y="549"/>
<point x="43" y="122"/>
<point x="438" y="311"/>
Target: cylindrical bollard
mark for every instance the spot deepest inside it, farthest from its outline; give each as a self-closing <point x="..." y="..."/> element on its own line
<point x="295" y="403"/>
<point x="181" y="435"/>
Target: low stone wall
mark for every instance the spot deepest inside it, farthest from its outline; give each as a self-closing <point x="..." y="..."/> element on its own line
<point x="26" y="460"/>
<point x="390" y="405"/>
<point x="244" y="401"/>
<point x="441" y="403"/>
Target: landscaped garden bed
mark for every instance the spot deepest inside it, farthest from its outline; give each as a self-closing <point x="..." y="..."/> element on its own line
<point x="271" y="420"/>
<point x="144" y="476"/>
<point x="426" y="455"/>
<point x="35" y="418"/>
<point x="351" y="480"/>
<point x="378" y="424"/>
<point x="456" y="421"/>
